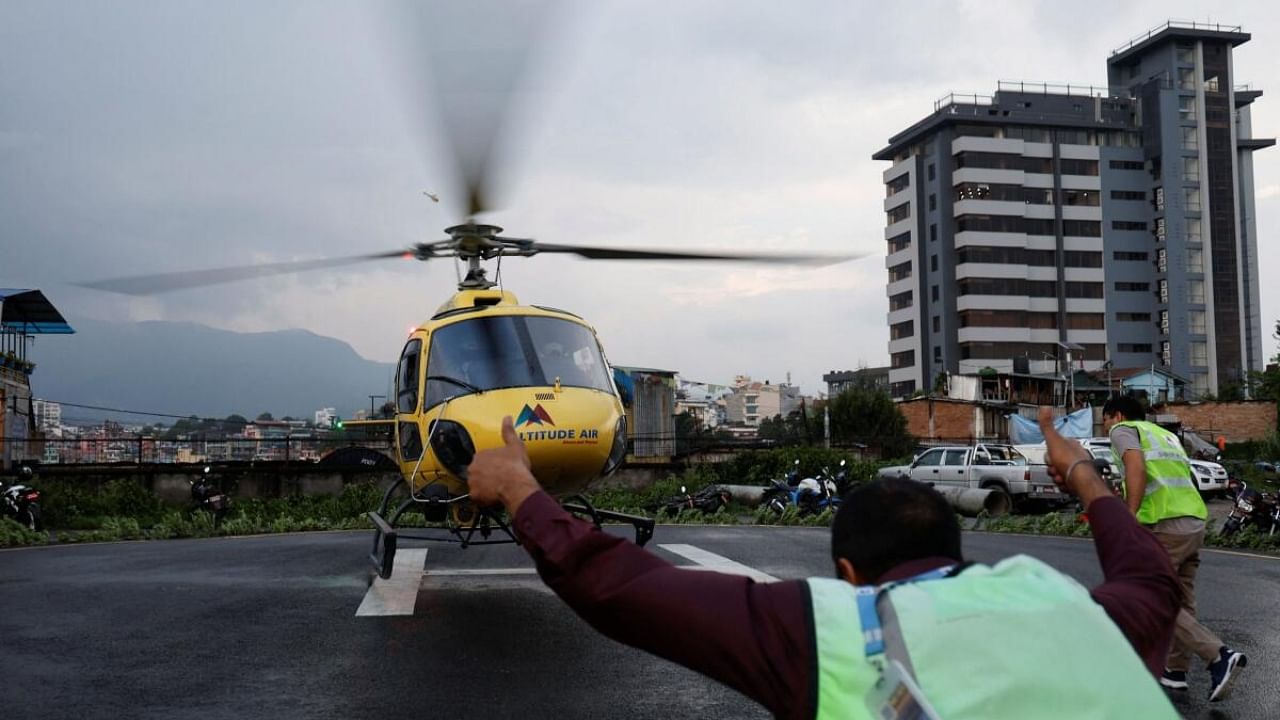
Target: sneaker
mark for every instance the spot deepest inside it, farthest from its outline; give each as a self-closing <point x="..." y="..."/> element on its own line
<point x="1174" y="679"/>
<point x="1223" y="671"/>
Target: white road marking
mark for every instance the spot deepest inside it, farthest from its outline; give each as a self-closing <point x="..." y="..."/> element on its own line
<point x="398" y="594"/>
<point x="479" y="571"/>
<point x="719" y="563"/>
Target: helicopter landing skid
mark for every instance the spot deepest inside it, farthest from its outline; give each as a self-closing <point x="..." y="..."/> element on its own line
<point x="643" y="525"/>
<point x="387" y="536"/>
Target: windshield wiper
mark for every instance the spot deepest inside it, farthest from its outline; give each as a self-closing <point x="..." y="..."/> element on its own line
<point x="456" y="381"/>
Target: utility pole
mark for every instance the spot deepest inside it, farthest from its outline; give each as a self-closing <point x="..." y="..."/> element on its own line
<point x="373" y="412"/>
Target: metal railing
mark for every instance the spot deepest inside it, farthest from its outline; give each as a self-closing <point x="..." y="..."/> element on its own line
<point x="144" y="450"/>
<point x="1172" y="24"/>
<point x="961" y="99"/>
<point x="1072" y="89"/>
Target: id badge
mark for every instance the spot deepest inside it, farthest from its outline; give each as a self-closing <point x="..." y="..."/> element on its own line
<point x="895" y="696"/>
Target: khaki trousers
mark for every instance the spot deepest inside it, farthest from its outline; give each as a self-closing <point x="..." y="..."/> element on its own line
<point x="1189" y="636"/>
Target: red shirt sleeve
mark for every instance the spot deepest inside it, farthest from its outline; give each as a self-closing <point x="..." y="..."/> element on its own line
<point x="1141" y="593"/>
<point x="753" y="637"/>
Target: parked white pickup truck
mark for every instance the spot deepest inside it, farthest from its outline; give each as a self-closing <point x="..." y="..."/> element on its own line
<point x="997" y="467"/>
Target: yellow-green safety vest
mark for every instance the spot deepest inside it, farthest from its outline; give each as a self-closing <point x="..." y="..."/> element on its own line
<point x="1017" y="640"/>
<point x="1171" y="490"/>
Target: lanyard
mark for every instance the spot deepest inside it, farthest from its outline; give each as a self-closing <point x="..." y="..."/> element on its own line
<point x="867" y="595"/>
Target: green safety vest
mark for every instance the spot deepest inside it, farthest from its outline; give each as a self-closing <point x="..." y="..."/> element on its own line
<point x="1171" y="489"/>
<point x="1017" y="640"/>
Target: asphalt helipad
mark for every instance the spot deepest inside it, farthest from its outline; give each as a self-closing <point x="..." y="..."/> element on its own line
<point x="290" y="626"/>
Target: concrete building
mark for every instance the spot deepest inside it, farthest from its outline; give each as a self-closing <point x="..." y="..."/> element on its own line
<point x="840" y="380"/>
<point x="48" y="417"/>
<point x="750" y="402"/>
<point x="1052" y="226"/>
<point x="325" y="416"/>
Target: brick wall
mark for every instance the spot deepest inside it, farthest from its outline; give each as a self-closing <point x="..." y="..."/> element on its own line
<point x="938" y="419"/>
<point x="1237" y="421"/>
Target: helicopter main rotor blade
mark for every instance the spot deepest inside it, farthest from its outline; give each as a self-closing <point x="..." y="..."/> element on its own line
<point x="168" y="282"/>
<point x="468" y="62"/>
<point x="603" y="253"/>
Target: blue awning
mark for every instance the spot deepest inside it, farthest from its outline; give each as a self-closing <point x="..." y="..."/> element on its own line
<point x="29" y="312"/>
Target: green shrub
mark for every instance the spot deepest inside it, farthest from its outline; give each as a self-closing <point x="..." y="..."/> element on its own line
<point x="14" y="534"/>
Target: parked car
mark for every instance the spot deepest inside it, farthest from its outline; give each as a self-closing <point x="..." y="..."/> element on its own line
<point x="983" y="466"/>
<point x="1211" y="478"/>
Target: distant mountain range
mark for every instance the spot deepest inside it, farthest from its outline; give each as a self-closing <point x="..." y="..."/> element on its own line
<point x="190" y="369"/>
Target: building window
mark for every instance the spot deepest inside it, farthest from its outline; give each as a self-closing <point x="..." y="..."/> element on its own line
<point x="897" y="243"/>
<point x="1186" y="54"/>
<point x="933" y="293"/>
<point x="1134" y="347"/>
<point x="1194" y="229"/>
<point x="1080" y="228"/>
<point x="933" y="201"/>
<point x="897" y="185"/>
<point x="900" y="301"/>
<point x="902" y="389"/>
<point x="1080" y="197"/>
<point x="933" y="233"/>
<point x="1199" y="353"/>
<point x="1128" y="225"/>
<point x="937" y="324"/>
<point x="1082" y="290"/>
<point x="1192" y="197"/>
<point x="1186" y="108"/>
<point x="1158" y="199"/>
<point x="1190" y="138"/>
<point x="1211" y="84"/>
<point x="1195" y="260"/>
<point x="937" y="353"/>
<point x="932" y="173"/>
<point x="1133" y="287"/>
<point x="901" y="271"/>
<point x="1085" y="321"/>
<point x="1190" y="169"/>
<point x="1186" y="78"/>
<point x="905" y="329"/>
<point x="1195" y="292"/>
<point x="903" y="359"/>
<point x="1195" y="322"/>
<point x="1127" y="165"/>
<point x="1128" y="195"/>
<point x="900" y="213"/>
<point x="1133" y="317"/>
<point x="1125" y="256"/>
<point x="1071" y="166"/>
<point x="933" y="263"/>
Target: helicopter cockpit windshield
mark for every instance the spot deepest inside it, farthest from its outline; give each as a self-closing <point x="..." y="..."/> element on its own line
<point x="490" y="353"/>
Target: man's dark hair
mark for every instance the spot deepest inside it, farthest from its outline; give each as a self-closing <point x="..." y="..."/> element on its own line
<point x="888" y="522"/>
<point x="1126" y="405"/>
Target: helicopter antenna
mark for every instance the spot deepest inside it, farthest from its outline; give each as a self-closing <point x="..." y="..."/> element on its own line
<point x="500" y="288"/>
<point x="457" y="271"/>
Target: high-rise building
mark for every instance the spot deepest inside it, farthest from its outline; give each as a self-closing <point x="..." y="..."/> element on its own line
<point x="1048" y="225"/>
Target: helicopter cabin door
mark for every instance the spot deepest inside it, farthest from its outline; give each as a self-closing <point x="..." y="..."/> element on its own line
<point x="408" y="395"/>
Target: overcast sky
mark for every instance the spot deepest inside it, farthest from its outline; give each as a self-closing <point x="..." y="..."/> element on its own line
<point x="139" y="137"/>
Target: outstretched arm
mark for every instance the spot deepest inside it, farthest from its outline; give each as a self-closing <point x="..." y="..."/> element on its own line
<point x="751" y="636"/>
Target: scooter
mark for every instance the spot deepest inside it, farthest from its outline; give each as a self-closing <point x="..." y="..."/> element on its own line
<point x="21" y="501"/>
<point x="1252" y="508"/>
<point x="811" y="495"/>
<point x="207" y="496"/>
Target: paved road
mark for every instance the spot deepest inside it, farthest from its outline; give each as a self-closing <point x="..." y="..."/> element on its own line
<point x="267" y="627"/>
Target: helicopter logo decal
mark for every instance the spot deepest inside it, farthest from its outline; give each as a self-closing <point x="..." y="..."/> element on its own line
<point x="534" y="416"/>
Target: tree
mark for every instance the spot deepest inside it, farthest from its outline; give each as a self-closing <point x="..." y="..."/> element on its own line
<point x="388" y="410"/>
<point x="868" y="416"/>
<point x="265" y="417"/>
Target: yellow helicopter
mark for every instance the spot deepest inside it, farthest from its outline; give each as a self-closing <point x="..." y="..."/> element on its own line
<point x="482" y="356"/>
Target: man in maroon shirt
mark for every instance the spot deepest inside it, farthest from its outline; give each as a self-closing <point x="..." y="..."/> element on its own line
<point x="756" y="637"/>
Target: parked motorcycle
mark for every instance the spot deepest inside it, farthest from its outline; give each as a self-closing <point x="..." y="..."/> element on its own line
<point x="708" y="500"/>
<point x="1255" y="508"/>
<point x="811" y="495"/>
<point x="21" y="501"/>
<point x="207" y="495"/>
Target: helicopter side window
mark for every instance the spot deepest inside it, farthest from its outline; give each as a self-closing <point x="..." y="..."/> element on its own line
<point x="407" y="377"/>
